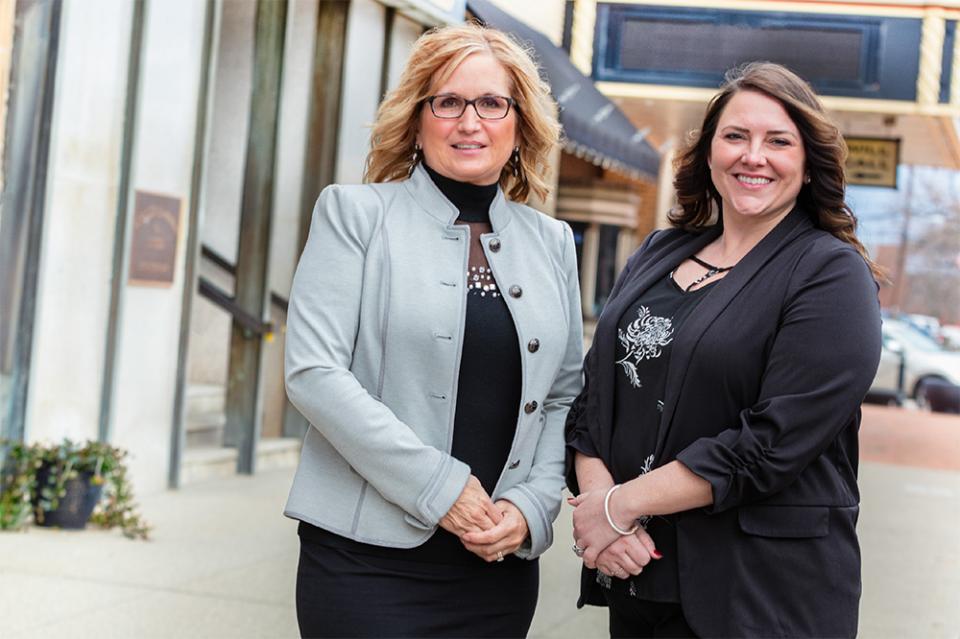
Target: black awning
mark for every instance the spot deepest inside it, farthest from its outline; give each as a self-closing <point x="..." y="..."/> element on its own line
<point x="594" y="127"/>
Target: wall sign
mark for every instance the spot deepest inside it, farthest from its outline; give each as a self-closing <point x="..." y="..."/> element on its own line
<point x="873" y="161"/>
<point x="153" y="243"/>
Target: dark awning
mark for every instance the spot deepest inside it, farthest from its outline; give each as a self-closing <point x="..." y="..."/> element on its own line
<point x="594" y="127"/>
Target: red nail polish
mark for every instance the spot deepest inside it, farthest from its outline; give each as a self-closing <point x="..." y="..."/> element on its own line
<point x="656" y="554"/>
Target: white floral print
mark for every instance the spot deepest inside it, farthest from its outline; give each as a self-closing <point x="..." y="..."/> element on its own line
<point x="643" y="339"/>
<point x="643" y="520"/>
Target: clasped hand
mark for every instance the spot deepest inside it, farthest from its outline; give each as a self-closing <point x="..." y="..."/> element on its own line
<point x="604" y="548"/>
<point x="487" y="529"/>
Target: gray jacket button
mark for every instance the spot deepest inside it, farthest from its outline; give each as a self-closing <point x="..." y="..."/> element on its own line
<point x="515" y="291"/>
<point x="533" y="345"/>
<point x="494" y="245"/>
<point x="530" y="407"/>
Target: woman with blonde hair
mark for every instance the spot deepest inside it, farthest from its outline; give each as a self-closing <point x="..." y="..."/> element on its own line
<point x="714" y="447"/>
<point x="434" y="344"/>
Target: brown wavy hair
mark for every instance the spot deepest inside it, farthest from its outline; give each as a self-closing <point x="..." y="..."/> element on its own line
<point x="826" y="153"/>
<point x="435" y="56"/>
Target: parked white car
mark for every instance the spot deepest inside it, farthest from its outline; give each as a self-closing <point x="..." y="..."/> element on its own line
<point x="926" y="324"/>
<point x="951" y="337"/>
<point x="931" y="375"/>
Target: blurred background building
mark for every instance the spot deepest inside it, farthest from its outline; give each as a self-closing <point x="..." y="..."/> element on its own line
<point x="161" y="160"/>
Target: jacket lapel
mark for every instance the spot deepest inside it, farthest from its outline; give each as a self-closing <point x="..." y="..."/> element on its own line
<point x="714" y="303"/>
<point x="661" y="261"/>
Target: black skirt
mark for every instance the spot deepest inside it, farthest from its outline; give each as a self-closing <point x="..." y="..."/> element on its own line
<point x="349" y="589"/>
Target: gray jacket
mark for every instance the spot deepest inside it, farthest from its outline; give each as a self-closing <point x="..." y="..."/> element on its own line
<point x="374" y="336"/>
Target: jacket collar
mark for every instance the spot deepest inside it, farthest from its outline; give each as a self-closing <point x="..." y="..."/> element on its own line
<point x="432" y="200"/>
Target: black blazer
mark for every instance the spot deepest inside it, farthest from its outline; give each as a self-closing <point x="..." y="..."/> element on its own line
<point x="763" y="396"/>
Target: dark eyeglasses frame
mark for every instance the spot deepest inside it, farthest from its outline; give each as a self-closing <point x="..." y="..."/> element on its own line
<point x="429" y="100"/>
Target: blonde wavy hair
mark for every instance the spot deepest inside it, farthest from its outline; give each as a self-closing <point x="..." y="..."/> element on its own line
<point x="435" y="56"/>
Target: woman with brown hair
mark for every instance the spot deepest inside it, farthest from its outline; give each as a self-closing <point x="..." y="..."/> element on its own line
<point x="434" y="342"/>
<point x="713" y="450"/>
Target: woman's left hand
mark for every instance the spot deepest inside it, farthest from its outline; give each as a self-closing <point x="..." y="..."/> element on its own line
<point x="591" y="531"/>
<point x="628" y="555"/>
<point x="501" y="540"/>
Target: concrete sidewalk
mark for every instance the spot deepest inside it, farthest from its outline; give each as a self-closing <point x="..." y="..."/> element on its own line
<point x="223" y="560"/>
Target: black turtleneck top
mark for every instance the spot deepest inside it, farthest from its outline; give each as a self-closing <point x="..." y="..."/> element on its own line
<point x="489" y="383"/>
<point x="472" y="200"/>
<point x="488" y="387"/>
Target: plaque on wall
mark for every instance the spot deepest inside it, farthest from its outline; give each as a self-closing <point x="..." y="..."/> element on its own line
<point x="873" y="161"/>
<point x="153" y="243"/>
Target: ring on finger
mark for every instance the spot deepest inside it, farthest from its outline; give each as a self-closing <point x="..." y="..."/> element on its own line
<point x="499" y="556"/>
<point x="578" y="551"/>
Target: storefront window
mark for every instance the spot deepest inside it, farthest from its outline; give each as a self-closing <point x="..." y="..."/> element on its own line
<point x="606" y="265"/>
<point x="579" y="232"/>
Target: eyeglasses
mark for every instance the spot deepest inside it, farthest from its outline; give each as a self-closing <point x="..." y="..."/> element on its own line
<point x="450" y="106"/>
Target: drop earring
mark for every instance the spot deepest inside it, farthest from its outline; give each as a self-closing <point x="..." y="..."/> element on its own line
<point x="515" y="161"/>
<point x="415" y="158"/>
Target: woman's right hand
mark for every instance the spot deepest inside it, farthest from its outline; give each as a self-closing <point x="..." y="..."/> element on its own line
<point x="592" y="476"/>
<point x="628" y="555"/>
<point x="473" y="511"/>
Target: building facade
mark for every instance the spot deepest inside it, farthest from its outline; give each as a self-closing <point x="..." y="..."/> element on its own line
<point x="162" y="160"/>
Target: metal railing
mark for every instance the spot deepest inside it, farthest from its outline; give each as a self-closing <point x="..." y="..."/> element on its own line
<point x="224" y="300"/>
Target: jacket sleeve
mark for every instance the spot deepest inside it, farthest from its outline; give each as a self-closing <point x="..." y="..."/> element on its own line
<point x="322" y="326"/>
<point x="538" y="498"/>
<point x="576" y="431"/>
<point x="820" y="365"/>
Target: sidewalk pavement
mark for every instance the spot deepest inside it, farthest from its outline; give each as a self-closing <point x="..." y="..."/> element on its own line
<point x="223" y="560"/>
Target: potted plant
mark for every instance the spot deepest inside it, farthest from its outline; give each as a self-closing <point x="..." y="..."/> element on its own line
<point x="17" y="480"/>
<point x="66" y="485"/>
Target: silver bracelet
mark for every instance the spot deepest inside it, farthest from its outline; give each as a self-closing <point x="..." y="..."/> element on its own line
<point x="606" y="511"/>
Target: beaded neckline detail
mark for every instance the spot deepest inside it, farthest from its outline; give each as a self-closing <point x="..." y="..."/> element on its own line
<point x="711" y="272"/>
<point x="480" y="282"/>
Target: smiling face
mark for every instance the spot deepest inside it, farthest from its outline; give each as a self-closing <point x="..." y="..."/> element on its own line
<point x="757" y="158"/>
<point x="468" y="148"/>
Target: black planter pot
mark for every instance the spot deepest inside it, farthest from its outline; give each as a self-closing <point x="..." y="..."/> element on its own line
<point x="75" y="507"/>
